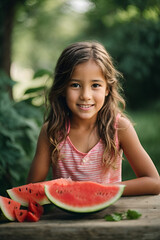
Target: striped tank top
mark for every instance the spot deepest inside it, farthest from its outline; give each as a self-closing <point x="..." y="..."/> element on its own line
<point x="81" y="166"/>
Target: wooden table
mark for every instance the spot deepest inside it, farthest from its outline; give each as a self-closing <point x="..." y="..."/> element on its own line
<point x="59" y="225"/>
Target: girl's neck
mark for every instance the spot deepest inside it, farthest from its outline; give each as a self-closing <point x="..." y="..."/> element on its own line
<point x="82" y="124"/>
<point x="83" y="135"/>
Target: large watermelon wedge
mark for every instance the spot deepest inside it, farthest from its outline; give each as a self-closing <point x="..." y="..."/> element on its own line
<point x="32" y="191"/>
<point x="82" y="197"/>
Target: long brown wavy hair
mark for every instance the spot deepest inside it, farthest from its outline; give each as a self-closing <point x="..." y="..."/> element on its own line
<point x="59" y="113"/>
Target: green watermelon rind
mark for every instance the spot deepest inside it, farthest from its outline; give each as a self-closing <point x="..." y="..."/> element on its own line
<point x="23" y="199"/>
<point x="14" y="197"/>
<point x="90" y="209"/>
<point x="25" y="202"/>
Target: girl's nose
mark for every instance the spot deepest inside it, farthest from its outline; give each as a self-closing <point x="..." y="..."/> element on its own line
<point x="85" y="94"/>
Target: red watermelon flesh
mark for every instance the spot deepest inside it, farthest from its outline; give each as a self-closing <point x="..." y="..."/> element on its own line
<point x="21" y="214"/>
<point x="31" y="217"/>
<point x="35" y="208"/>
<point x="32" y="191"/>
<point x="79" y="196"/>
<point x="8" y="207"/>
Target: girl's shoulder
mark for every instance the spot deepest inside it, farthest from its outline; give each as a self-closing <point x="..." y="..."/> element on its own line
<point x="126" y="131"/>
<point x="45" y="126"/>
<point x="123" y="123"/>
<point x="43" y="133"/>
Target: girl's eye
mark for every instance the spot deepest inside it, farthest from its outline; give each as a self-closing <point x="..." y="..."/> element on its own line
<point x="75" y="85"/>
<point x="96" y="85"/>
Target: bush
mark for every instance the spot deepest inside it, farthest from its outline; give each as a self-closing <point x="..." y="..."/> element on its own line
<point x="18" y="136"/>
<point x="136" y="48"/>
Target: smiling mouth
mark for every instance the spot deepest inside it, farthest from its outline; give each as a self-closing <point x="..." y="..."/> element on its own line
<point x="85" y="106"/>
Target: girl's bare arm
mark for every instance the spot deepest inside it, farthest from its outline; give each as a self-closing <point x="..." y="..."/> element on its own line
<point x="147" y="181"/>
<point x="42" y="159"/>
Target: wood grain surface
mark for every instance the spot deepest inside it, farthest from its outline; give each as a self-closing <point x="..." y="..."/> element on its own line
<point x="57" y="224"/>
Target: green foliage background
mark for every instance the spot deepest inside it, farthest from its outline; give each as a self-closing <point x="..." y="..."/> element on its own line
<point x="19" y="127"/>
<point x="130" y="31"/>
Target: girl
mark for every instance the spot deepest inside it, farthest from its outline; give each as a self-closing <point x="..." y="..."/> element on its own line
<point x="86" y="131"/>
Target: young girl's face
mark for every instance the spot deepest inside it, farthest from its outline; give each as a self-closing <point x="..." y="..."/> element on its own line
<point x="86" y="91"/>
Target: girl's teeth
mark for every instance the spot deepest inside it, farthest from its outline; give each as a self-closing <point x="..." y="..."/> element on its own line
<point x="85" y="106"/>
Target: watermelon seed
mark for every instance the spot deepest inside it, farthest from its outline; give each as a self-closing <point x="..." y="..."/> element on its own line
<point x="59" y="191"/>
<point x="26" y="188"/>
<point x="19" y="189"/>
<point x="30" y="191"/>
<point x="101" y="193"/>
<point x="21" y="214"/>
<point x="9" y="202"/>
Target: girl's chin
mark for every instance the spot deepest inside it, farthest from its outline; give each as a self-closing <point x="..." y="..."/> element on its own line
<point x="85" y="116"/>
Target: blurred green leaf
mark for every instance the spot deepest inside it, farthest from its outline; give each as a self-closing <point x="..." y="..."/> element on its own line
<point x="114" y="217"/>
<point x="34" y="90"/>
<point x="41" y="73"/>
<point x="129" y="215"/>
<point x="5" y="81"/>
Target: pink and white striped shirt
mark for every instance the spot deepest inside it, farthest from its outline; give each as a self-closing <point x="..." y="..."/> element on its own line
<point x="81" y="166"/>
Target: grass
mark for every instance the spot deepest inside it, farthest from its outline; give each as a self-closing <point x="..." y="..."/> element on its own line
<point x="147" y="125"/>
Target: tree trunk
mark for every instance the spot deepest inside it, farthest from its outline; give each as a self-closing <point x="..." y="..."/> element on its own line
<point x="7" y="12"/>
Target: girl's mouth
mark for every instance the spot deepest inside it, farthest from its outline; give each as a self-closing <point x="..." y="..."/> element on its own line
<point x="85" y="106"/>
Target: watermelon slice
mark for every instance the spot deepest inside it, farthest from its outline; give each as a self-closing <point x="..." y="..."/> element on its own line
<point x="31" y="217"/>
<point x="35" y="208"/>
<point x="21" y="214"/>
<point x="82" y="197"/>
<point x="32" y="191"/>
<point x="8" y="207"/>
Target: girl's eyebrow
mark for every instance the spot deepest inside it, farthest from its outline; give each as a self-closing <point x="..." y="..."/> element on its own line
<point x="94" y="80"/>
<point x="75" y="80"/>
<point x="97" y="80"/>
